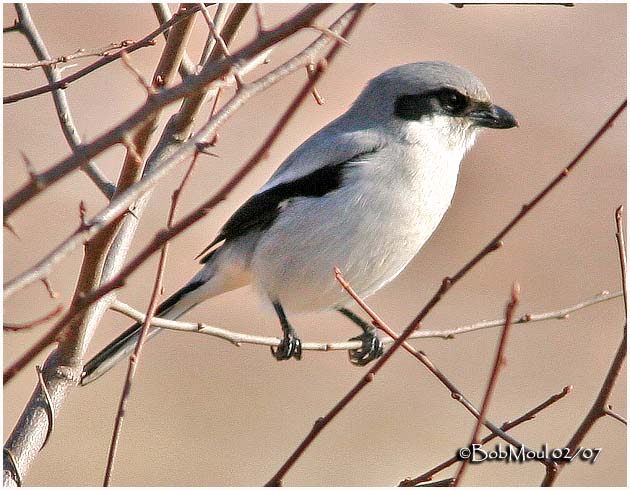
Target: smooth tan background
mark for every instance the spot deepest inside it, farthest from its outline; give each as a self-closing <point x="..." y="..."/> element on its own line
<point x="206" y="413"/>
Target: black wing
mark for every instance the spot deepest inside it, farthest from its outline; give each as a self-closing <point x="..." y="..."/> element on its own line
<point x="260" y="210"/>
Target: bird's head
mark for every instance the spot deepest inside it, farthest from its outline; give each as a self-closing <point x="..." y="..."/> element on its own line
<point x="433" y="102"/>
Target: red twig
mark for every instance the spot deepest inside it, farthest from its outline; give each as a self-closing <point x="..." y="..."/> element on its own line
<point x="600" y="407"/>
<point x="134" y="360"/>
<point x="530" y="415"/>
<point x="15" y="327"/>
<point x="447" y="283"/>
<point x="163" y="235"/>
<point x="148" y="40"/>
<point x="499" y="362"/>
<point x="622" y="255"/>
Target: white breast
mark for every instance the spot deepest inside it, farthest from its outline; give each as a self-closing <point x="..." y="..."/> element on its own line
<point x="370" y="228"/>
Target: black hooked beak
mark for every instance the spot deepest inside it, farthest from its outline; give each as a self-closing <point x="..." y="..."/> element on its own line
<point x="492" y="116"/>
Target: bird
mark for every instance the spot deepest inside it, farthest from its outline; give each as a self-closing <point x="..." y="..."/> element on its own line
<point x="364" y="194"/>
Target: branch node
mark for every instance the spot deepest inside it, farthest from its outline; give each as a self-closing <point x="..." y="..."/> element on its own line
<point x="7" y="224"/>
<point x="36" y="179"/>
<point x="49" y="289"/>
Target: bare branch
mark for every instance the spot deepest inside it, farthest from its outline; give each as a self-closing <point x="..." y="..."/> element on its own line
<point x="622" y="256"/>
<point x="134" y="360"/>
<point x="148" y="40"/>
<point x="499" y="362"/>
<point x="78" y="54"/>
<point x="14" y="327"/>
<point x="600" y="407"/>
<point x="172" y="156"/>
<point x="446" y="285"/>
<point x="611" y="413"/>
<point x="203" y="80"/>
<point x="238" y="338"/>
<point x="68" y="127"/>
<point x="163" y="14"/>
<point x="526" y="417"/>
<point x="183" y="224"/>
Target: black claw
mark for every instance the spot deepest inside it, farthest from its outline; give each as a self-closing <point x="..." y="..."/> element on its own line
<point x="371" y="348"/>
<point x="291" y="346"/>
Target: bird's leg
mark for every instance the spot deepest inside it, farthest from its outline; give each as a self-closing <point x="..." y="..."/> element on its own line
<point x="372" y="346"/>
<point x="291" y="345"/>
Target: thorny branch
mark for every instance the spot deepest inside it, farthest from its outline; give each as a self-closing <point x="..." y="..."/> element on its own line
<point x="66" y="58"/>
<point x="68" y="127"/>
<point x="530" y="415"/>
<point x="499" y="361"/>
<point x="148" y="40"/>
<point x="121" y="202"/>
<point x="134" y="360"/>
<point x="600" y="407"/>
<point x="446" y="285"/>
<point x="191" y="218"/>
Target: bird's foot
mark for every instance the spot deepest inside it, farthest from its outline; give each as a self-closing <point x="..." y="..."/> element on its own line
<point x="371" y="348"/>
<point x="291" y="346"/>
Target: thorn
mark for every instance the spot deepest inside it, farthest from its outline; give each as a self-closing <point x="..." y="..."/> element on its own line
<point x="331" y="34"/>
<point x="9" y="227"/>
<point x="34" y="176"/>
<point x="82" y="211"/>
<point x="51" y="292"/>
<point x="127" y="62"/>
<point x="311" y="70"/>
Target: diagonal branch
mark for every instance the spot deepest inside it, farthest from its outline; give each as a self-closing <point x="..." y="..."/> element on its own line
<point x="148" y="40"/>
<point x="117" y="281"/>
<point x="530" y="415"/>
<point x="203" y="80"/>
<point x="446" y="285"/>
<point x="171" y="157"/>
<point x="600" y="407"/>
<point x="499" y="361"/>
<point x="28" y="28"/>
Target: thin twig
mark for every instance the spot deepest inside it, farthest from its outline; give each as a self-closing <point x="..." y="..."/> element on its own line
<point x="134" y="360"/>
<point x="611" y="413"/>
<point x="499" y="362"/>
<point x="455" y="392"/>
<point x="204" y="80"/>
<point x="52" y="294"/>
<point x="622" y="256"/>
<point x="148" y="40"/>
<point x="238" y="338"/>
<point x="16" y="327"/>
<point x="139" y="78"/>
<point x="62" y="108"/>
<point x="508" y="425"/>
<point x="118" y="280"/>
<point x="166" y="162"/>
<point x="47" y="404"/>
<point x="600" y="407"/>
<point x="218" y="22"/>
<point x="446" y="285"/>
<point x="79" y="53"/>
<point x="471" y="4"/>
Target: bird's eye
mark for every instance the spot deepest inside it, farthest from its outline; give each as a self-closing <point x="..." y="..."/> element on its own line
<point x="452" y="101"/>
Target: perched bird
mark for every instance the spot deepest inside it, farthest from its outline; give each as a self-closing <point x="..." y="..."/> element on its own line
<point x="364" y="193"/>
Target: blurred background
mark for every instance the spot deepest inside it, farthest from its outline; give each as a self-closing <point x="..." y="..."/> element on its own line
<point x="205" y="413"/>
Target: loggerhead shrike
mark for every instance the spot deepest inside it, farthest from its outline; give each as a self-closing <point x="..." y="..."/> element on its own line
<point x="364" y="193"/>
